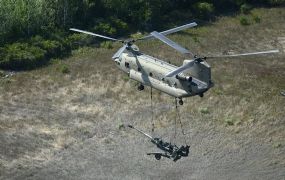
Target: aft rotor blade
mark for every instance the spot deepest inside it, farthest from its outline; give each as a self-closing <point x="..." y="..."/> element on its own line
<point x="173" y="30"/>
<point x="170" y="43"/>
<point x="180" y="28"/>
<point x="93" y="34"/>
<point x="119" y="52"/>
<point x="246" y="54"/>
<point x="180" y="69"/>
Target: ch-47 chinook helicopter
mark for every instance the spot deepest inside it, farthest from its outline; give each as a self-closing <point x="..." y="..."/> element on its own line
<point x="190" y="79"/>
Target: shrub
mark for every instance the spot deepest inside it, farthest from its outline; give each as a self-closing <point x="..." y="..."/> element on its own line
<point x="137" y="35"/>
<point x="256" y="19"/>
<point x="2" y="54"/>
<point x="204" y="110"/>
<point x="21" y="56"/>
<point x="245" y="8"/>
<point x="105" y="28"/>
<point x="76" y="40"/>
<point x="244" y="21"/>
<point x="229" y="121"/>
<point x="106" y="45"/>
<point x="204" y="10"/>
<point x="2" y="73"/>
<point x="277" y="145"/>
<point x="63" y="69"/>
<point x="276" y="2"/>
<point x="54" y="48"/>
<point x="195" y="39"/>
<point x="121" y="26"/>
<point x="111" y="27"/>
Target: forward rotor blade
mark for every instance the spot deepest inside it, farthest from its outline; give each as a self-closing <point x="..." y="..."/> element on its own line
<point x="173" y="30"/>
<point x="93" y="34"/>
<point x="246" y="54"/>
<point x="170" y="43"/>
<point x="180" y="69"/>
<point x="119" y="52"/>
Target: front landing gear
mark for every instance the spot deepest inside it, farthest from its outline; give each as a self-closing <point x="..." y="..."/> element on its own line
<point x="141" y="87"/>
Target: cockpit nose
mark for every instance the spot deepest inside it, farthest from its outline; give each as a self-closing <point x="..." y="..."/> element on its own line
<point x="117" y="62"/>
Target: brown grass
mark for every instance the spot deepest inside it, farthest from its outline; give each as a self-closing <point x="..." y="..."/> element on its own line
<point x="56" y="110"/>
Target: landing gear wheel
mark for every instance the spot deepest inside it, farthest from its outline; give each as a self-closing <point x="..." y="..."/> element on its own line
<point x="201" y="95"/>
<point x="141" y="87"/>
<point x="157" y="156"/>
<point x="180" y="102"/>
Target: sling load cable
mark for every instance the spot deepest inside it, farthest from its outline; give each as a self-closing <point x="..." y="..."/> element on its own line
<point x="175" y="123"/>
<point x="152" y="121"/>
<point x="179" y="118"/>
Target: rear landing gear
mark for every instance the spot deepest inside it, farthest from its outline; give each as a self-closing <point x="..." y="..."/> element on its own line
<point x="141" y="87"/>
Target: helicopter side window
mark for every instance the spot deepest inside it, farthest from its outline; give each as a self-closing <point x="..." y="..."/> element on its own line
<point x="127" y="65"/>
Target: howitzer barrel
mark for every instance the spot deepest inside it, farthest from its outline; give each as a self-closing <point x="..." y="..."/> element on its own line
<point x="147" y="135"/>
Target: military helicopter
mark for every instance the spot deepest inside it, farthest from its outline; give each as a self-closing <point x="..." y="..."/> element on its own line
<point x="190" y="79"/>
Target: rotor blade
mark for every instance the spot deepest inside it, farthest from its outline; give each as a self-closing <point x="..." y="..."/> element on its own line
<point x="180" y="28"/>
<point x="119" y="52"/>
<point x="173" y="30"/>
<point x="170" y="43"/>
<point x="93" y="34"/>
<point x="246" y="54"/>
<point x="180" y="69"/>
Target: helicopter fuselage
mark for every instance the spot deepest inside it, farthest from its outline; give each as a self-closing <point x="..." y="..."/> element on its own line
<point x="151" y="72"/>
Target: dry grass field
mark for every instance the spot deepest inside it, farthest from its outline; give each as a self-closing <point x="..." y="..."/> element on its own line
<point x="56" y="125"/>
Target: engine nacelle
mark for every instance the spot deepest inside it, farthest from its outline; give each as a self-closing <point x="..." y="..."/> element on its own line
<point x="183" y="78"/>
<point x="200" y="70"/>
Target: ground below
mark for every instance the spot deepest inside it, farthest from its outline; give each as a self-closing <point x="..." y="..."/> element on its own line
<point x="56" y="125"/>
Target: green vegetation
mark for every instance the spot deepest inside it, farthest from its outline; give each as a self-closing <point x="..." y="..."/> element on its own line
<point x="277" y="145"/>
<point x="204" y="110"/>
<point x="63" y="69"/>
<point x="256" y="18"/>
<point x="229" y="121"/>
<point x="36" y="31"/>
<point x="244" y="21"/>
<point x="204" y="10"/>
<point x="106" y="45"/>
<point x="245" y="8"/>
<point x="18" y="55"/>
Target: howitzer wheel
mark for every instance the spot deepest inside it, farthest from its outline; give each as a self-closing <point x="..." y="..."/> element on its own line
<point x="157" y="156"/>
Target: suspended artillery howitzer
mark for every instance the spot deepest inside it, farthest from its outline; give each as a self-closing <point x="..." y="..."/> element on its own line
<point x="171" y="151"/>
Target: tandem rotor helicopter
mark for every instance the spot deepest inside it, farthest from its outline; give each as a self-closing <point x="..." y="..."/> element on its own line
<point x="191" y="79"/>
